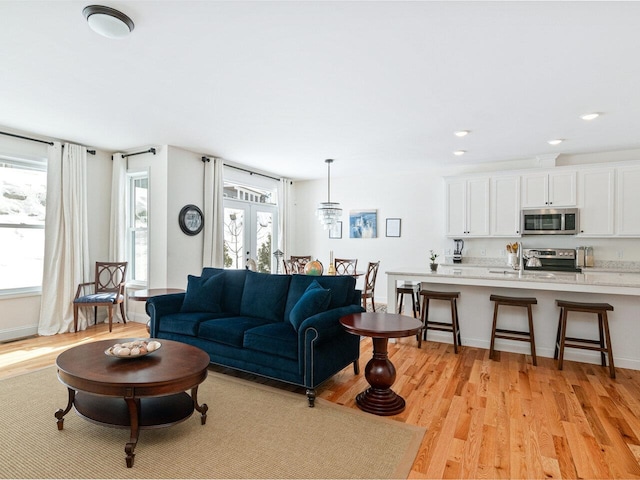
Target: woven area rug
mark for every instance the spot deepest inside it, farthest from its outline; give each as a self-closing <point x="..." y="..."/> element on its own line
<point x="252" y="431"/>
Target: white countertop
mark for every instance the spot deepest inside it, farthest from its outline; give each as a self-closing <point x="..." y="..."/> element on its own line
<point x="588" y="282"/>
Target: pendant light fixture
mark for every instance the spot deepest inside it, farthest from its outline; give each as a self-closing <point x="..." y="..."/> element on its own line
<point x="107" y="21"/>
<point x="328" y="212"/>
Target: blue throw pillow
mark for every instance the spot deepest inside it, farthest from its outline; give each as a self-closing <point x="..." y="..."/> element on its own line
<point x="203" y="294"/>
<point x="264" y="296"/>
<point x="314" y="300"/>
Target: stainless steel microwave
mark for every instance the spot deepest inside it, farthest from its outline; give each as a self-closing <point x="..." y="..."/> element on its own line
<point x="550" y="221"/>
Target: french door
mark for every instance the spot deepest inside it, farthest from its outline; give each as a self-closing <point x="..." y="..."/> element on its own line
<point x="250" y="235"/>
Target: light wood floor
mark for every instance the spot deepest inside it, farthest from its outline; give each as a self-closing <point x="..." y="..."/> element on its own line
<point x="484" y="419"/>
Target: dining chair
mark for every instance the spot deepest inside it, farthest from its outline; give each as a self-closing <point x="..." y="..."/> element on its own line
<point x="289" y="266"/>
<point x="345" y="266"/>
<point x="300" y="262"/>
<point x="370" y="285"/>
<point x="107" y="291"/>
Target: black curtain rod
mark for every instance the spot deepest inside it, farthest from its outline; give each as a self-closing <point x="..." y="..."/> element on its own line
<point x="25" y="138"/>
<point x="252" y="173"/>
<point x="92" y="152"/>
<point x="151" y="150"/>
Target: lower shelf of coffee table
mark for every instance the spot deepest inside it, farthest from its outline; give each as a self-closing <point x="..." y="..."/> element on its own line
<point x="155" y="412"/>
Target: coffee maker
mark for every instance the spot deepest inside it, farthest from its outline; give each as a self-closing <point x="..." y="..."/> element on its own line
<point x="457" y="253"/>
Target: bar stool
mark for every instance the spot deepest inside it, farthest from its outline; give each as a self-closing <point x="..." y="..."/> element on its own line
<point x="602" y="345"/>
<point x="453" y="327"/>
<point x="409" y="288"/>
<point x="518" y="335"/>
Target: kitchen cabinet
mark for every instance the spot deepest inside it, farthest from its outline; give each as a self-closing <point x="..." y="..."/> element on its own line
<point x="505" y="206"/>
<point x="628" y="201"/>
<point x="596" y="199"/>
<point x="549" y="189"/>
<point x="467" y="204"/>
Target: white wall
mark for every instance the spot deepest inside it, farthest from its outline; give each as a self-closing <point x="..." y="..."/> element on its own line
<point x="417" y="199"/>
<point x="186" y="186"/>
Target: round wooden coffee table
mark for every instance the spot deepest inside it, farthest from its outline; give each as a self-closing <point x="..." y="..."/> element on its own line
<point x="135" y="393"/>
<point x="380" y="372"/>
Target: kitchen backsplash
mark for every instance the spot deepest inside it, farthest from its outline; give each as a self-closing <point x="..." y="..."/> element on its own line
<point x="617" y="265"/>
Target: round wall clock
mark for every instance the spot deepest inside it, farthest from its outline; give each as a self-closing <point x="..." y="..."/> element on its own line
<point x="191" y="220"/>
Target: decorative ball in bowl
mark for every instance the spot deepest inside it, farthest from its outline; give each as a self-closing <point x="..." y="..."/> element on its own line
<point x="134" y="349"/>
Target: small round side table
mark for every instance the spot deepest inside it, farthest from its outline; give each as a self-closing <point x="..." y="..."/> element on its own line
<point x="380" y="372"/>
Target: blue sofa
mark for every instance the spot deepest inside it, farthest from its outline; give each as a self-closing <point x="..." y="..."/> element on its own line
<point x="284" y="327"/>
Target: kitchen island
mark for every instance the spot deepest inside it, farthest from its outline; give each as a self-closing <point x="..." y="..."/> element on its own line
<point x="476" y="284"/>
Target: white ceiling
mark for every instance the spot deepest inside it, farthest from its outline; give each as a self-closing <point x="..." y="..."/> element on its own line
<point x="280" y="86"/>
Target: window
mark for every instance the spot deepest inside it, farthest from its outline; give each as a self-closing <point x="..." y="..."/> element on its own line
<point x="250" y="221"/>
<point x="23" y="195"/>
<point x="137" y="245"/>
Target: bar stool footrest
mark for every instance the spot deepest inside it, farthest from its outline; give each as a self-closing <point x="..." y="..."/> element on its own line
<point x="511" y="335"/>
<point x="581" y="345"/>
<point x="445" y="327"/>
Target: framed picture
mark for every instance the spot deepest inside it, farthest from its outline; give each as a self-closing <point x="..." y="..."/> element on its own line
<point x="363" y="224"/>
<point x="393" y="227"/>
<point x="336" y="230"/>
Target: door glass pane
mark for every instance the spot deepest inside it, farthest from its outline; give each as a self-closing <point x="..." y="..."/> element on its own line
<point x="234" y="238"/>
<point x="264" y="230"/>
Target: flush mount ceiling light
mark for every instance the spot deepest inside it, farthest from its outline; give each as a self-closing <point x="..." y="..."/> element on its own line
<point x="556" y="141"/>
<point x="461" y="133"/>
<point x="328" y="212"/>
<point x="459" y="152"/>
<point x="589" y="116"/>
<point x="107" y="21"/>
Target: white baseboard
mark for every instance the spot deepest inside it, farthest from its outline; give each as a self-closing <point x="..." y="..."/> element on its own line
<point x="9" y="334"/>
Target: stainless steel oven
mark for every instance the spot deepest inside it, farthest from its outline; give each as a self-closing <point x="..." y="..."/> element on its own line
<point x="550" y="221"/>
<point x="554" y="259"/>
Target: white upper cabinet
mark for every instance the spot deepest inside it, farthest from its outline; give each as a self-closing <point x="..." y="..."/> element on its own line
<point x="549" y="189"/>
<point x="596" y="201"/>
<point x="467" y="207"/>
<point x="505" y="206"/>
<point x="628" y="201"/>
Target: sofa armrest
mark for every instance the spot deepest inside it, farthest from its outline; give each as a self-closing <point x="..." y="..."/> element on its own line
<point x="325" y="325"/>
<point x="157" y="307"/>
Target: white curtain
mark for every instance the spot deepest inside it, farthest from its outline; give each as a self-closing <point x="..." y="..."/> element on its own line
<point x="66" y="246"/>
<point x="118" y="225"/>
<point x="284" y="218"/>
<point x="213" y="248"/>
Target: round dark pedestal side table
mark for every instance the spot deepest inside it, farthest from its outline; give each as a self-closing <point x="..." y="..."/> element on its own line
<point x="380" y="372"/>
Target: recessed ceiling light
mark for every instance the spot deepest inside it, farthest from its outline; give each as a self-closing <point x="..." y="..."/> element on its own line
<point x="107" y="21"/>
<point x="589" y="116"/>
<point x="459" y="152"/>
<point x="461" y="133"/>
<point x="556" y="141"/>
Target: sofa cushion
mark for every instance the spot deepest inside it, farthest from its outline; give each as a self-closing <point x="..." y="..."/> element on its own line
<point x="203" y="294"/>
<point x="314" y="300"/>
<point x="233" y="287"/>
<point x="341" y="286"/>
<point x="265" y="296"/>
<point x="185" y="323"/>
<point x="229" y="331"/>
<point x="274" y="338"/>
